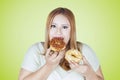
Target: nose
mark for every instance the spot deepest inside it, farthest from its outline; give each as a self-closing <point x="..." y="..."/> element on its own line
<point x="58" y="31"/>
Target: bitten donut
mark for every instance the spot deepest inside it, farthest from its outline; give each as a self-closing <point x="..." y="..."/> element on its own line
<point x="73" y="55"/>
<point x="57" y="44"/>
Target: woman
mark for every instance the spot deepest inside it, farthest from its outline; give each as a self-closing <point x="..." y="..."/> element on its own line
<point x="41" y="64"/>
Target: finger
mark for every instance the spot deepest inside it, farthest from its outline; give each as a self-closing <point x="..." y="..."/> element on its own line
<point x="63" y="51"/>
<point x="76" y="64"/>
<point x="54" y="55"/>
<point x="73" y="64"/>
<point x="60" y="56"/>
<point x="51" y="52"/>
<point x="48" y="52"/>
<point x="76" y="67"/>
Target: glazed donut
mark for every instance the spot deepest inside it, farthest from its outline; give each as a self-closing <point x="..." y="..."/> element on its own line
<point x="57" y="44"/>
<point x="73" y="55"/>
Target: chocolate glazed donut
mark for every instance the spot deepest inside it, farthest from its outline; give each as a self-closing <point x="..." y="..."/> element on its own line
<point x="57" y="44"/>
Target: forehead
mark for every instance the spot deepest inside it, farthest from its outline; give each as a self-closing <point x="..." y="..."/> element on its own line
<point x="60" y="19"/>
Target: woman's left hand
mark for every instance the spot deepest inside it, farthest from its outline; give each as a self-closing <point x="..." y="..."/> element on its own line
<point x="84" y="69"/>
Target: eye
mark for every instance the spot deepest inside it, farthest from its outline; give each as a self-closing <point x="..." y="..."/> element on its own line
<point x="65" y="27"/>
<point x="53" y="26"/>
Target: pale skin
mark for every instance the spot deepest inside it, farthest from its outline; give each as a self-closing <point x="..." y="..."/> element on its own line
<point x="52" y="61"/>
<point x="60" y="28"/>
<point x="86" y="70"/>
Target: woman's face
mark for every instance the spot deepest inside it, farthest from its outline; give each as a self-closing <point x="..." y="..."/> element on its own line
<point x="60" y="27"/>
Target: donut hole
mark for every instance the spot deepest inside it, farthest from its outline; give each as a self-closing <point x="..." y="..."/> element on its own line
<point x="73" y="55"/>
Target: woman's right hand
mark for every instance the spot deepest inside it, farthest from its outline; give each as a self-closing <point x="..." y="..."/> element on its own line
<point x="53" y="59"/>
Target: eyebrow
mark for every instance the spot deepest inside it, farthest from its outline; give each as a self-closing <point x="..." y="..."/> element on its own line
<point x="62" y="24"/>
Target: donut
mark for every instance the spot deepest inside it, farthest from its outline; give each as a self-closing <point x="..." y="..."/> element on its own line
<point x="57" y="44"/>
<point x="73" y="55"/>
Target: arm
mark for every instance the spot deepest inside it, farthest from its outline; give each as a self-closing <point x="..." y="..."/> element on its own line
<point x="87" y="71"/>
<point x="41" y="74"/>
<point x="96" y="75"/>
<point x="99" y="74"/>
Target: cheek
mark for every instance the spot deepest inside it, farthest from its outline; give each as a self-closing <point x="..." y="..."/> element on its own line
<point x="67" y="36"/>
<point x="50" y="35"/>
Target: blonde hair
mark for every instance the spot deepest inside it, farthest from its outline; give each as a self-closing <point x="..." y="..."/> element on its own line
<point x="72" y="44"/>
<point x="70" y="16"/>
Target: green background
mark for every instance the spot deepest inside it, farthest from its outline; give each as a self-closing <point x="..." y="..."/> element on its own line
<point x="22" y="23"/>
